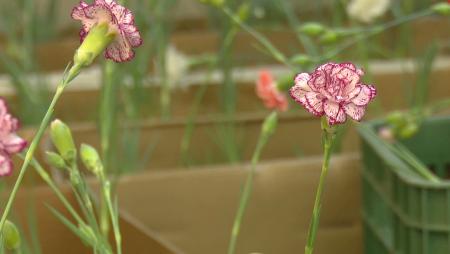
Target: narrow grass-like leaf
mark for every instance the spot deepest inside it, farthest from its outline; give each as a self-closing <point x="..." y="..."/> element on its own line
<point x="72" y="227"/>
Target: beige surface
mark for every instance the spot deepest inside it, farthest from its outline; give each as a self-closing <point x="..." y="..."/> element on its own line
<point x="194" y="209"/>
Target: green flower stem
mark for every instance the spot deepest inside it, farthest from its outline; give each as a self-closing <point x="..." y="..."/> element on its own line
<point x="108" y="129"/>
<point x="246" y="192"/>
<point x="276" y="54"/>
<point x="106" y="191"/>
<point x="279" y="56"/>
<point x="374" y="31"/>
<point x="48" y="180"/>
<point x="328" y="139"/>
<point x="71" y="74"/>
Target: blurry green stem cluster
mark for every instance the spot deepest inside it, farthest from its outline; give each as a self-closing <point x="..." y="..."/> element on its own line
<point x="86" y="226"/>
<point x="316" y="29"/>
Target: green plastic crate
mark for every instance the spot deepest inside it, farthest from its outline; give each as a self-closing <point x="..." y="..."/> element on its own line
<point x="403" y="213"/>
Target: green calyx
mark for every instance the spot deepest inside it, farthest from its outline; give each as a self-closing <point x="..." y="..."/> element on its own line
<point x="97" y="40"/>
<point x="62" y="139"/>
<point x="441" y="9"/>
<point x="11" y="236"/>
<point x="91" y="159"/>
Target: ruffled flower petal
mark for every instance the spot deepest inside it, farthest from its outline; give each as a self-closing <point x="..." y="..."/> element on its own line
<point x="354" y="111"/>
<point x="309" y="100"/>
<point x="335" y="90"/>
<point x="301" y="81"/>
<point x="335" y="113"/>
<point x="10" y="143"/>
<point x="132" y="33"/>
<point x="13" y="143"/>
<point x="119" y="51"/>
<point x="6" y="166"/>
<point x="119" y="18"/>
<point x="366" y="94"/>
<point x="314" y="103"/>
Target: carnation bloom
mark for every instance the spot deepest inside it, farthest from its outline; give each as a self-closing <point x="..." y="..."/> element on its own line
<point x="10" y="143"/>
<point x="266" y="89"/>
<point x="334" y="90"/>
<point x="120" y="21"/>
<point x="367" y="10"/>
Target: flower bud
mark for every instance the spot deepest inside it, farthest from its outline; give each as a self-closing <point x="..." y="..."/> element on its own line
<point x="63" y="141"/>
<point x="10" y="236"/>
<point x="97" y="40"/>
<point x="244" y="12"/>
<point x="269" y="125"/>
<point x="396" y="118"/>
<point x="329" y="37"/>
<point x="301" y="59"/>
<point x="55" y="160"/>
<point x="441" y="9"/>
<point x="409" y="130"/>
<point x="312" y="28"/>
<point x="91" y="159"/>
<point x="215" y="3"/>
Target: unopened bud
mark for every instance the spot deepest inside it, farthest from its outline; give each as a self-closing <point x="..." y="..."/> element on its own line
<point x="55" y="160"/>
<point x="244" y="11"/>
<point x="301" y="59"/>
<point x="329" y="37"/>
<point x="409" y="130"/>
<point x="441" y="9"/>
<point x="215" y="3"/>
<point x="396" y="118"/>
<point x="63" y="141"/>
<point x="11" y="236"/>
<point x="97" y="40"/>
<point x="312" y="28"/>
<point x="270" y="124"/>
<point x="91" y="159"/>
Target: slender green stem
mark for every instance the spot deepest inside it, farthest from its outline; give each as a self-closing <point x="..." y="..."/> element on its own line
<point x="374" y="31"/>
<point x="48" y="180"/>
<point x="261" y="39"/>
<point x="328" y="138"/>
<point x="108" y="126"/>
<point x="247" y="189"/>
<point x="279" y="56"/>
<point x="71" y="74"/>
<point x="106" y="190"/>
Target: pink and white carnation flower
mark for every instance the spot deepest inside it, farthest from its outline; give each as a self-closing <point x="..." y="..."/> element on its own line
<point x="267" y="91"/>
<point x="119" y="19"/>
<point x="10" y="142"/>
<point x="334" y="90"/>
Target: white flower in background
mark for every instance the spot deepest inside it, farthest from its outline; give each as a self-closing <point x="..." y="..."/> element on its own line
<point x="177" y="65"/>
<point x="367" y="10"/>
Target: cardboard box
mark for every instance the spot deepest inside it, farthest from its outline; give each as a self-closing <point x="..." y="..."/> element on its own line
<point x="56" y="238"/>
<point x="195" y="209"/>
